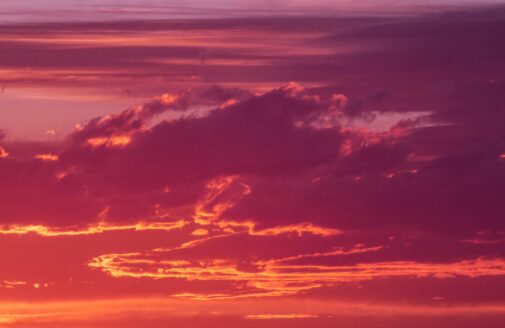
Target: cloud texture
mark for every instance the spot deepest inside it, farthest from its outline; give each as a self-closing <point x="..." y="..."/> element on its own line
<point x="368" y="190"/>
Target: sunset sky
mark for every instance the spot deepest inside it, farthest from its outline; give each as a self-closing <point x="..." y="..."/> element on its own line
<point x="252" y="163"/>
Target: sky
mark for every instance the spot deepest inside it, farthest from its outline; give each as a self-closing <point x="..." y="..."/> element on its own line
<point x="252" y="163"/>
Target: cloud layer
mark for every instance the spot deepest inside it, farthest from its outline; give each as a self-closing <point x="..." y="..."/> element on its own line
<point x="232" y="195"/>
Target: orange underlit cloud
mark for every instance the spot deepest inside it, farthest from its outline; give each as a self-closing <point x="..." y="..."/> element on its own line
<point x="113" y="141"/>
<point x="209" y="210"/>
<point x="282" y="276"/>
<point x="46" y="157"/>
<point x="280" y="316"/>
<point x="3" y="153"/>
<point x="89" y="230"/>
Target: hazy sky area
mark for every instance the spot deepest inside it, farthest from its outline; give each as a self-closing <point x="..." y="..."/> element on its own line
<point x="73" y="10"/>
<point x="45" y="70"/>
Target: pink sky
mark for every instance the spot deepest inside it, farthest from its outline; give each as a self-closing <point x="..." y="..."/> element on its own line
<point x="192" y="164"/>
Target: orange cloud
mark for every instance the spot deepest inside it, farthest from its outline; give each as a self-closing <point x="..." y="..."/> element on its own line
<point x="280" y="316"/>
<point x="3" y="153"/>
<point x="298" y="229"/>
<point x="224" y="192"/>
<point x="46" y="157"/>
<point x="113" y="141"/>
<point x="89" y="230"/>
<point x="200" y="232"/>
<point x="282" y="276"/>
<point x="12" y="283"/>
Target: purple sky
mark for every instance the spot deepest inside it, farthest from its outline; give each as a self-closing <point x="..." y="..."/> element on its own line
<point x="72" y="10"/>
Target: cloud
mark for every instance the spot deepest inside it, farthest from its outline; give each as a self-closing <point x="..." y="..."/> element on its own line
<point x="377" y="177"/>
<point x="289" y="144"/>
<point x="284" y="276"/>
<point x="122" y="156"/>
<point x="374" y="182"/>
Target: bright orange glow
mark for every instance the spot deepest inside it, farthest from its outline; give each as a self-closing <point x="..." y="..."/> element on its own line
<point x="200" y="232"/>
<point x="167" y="99"/>
<point x="228" y="103"/>
<point x="298" y="229"/>
<point x="110" y="142"/>
<point x="209" y="210"/>
<point x="3" y="153"/>
<point x="89" y="230"/>
<point x="75" y="311"/>
<point x="277" y="277"/>
<point x="47" y="157"/>
<point x="12" y="283"/>
<point x="280" y="316"/>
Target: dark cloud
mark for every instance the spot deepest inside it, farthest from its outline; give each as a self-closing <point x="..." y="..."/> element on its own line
<point x="258" y="136"/>
<point x="438" y="173"/>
